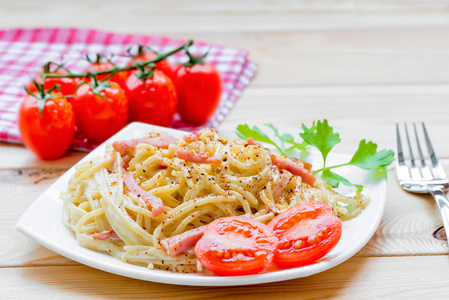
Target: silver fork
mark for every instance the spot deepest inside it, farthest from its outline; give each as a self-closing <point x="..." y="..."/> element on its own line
<point x="422" y="179"/>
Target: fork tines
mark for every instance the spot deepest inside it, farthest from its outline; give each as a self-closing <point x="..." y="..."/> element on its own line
<point x="422" y="171"/>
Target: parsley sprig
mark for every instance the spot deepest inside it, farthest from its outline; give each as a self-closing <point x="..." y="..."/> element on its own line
<point x="287" y="141"/>
<point x="322" y="136"/>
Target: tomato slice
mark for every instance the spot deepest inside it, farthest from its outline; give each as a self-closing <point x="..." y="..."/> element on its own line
<point x="236" y="246"/>
<point x="306" y="233"/>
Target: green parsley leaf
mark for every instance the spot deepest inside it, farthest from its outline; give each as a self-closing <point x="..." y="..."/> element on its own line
<point x="286" y="138"/>
<point x="323" y="138"/>
<point x="334" y="179"/>
<point x="366" y="156"/>
<point x="244" y="132"/>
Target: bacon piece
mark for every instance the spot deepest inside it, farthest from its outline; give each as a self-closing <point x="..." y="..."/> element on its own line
<point x="157" y="206"/>
<point x="202" y="157"/>
<point x="307" y="166"/>
<point x="283" y="181"/>
<point x="195" y="136"/>
<point x="307" y="176"/>
<point x="123" y="147"/>
<point x="126" y="158"/>
<point x="182" y="242"/>
<point x="251" y="141"/>
<point x="305" y="172"/>
<point x="159" y="142"/>
<point x="105" y="235"/>
<point x="162" y="163"/>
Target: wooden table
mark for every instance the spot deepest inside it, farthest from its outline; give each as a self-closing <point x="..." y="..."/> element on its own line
<point x="360" y="64"/>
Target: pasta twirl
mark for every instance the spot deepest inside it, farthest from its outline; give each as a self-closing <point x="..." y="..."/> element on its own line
<point x="112" y="202"/>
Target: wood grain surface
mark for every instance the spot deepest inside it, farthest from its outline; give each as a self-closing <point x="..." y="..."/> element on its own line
<point x="358" y="278"/>
<point x="363" y="65"/>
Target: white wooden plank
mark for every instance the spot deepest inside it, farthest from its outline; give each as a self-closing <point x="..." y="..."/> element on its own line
<point x="255" y="16"/>
<point x="15" y="156"/>
<point x="358" y="278"/>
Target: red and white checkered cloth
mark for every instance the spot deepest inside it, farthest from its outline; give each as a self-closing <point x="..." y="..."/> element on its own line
<point x="23" y="52"/>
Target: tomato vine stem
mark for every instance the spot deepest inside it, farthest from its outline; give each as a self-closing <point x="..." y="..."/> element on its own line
<point x="159" y="57"/>
<point x="97" y="86"/>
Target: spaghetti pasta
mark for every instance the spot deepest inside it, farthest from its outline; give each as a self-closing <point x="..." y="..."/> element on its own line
<point x="143" y="191"/>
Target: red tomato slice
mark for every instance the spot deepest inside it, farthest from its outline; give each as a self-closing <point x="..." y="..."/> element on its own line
<point x="236" y="246"/>
<point x="306" y="233"/>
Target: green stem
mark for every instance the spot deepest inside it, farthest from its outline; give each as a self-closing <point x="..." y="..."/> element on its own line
<point x="159" y="57"/>
<point x="332" y="167"/>
<point x="94" y="80"/>
<point x="280" y="149"/>
<point x="290" y="148"/>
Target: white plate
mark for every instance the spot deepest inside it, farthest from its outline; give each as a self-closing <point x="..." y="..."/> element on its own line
<point x="42" y="222"/>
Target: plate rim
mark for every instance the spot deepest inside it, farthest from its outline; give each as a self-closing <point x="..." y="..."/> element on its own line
<point x="167" y="277"/>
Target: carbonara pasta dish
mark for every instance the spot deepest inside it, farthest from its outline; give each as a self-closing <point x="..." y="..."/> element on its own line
<point x="134" y="201"/>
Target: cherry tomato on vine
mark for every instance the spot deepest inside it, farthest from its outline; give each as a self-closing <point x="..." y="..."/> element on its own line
<point x="50" y="134"/>
<point x="164" y="66"/>
<point x="102" y="64"/>
<point x="67" y="85"/>
<point x="199" y="90"/>
<point x="306" y="233"/>
<point x="236" y="246"/>
<point x="152" y="100"/>
<point x="101" y="109"/>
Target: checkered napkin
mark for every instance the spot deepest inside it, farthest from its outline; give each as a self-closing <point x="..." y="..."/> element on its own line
<point x="23" y="52"/>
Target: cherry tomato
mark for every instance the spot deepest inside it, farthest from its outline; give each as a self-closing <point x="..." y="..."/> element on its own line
<point x="119" y="77"/>
<point x="306" y="233"/>
<point x="152" y="100"/>
<point x="164" y="66"/>
<point x="67" y="85"/>
<point x="49" y="135"/>
<point x="98" y="117"/>
<point x="199" y="90"/>
<point x="236" y="246"/>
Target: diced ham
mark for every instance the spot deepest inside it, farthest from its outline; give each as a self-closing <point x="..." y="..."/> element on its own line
<point x="157" y="205"/>
<point x="251" y="141"/>
<point x="307" y="176"/>
<point x="283" y="181"/>
<point x="202" y="157"/>
<point x="195" y="136"/>
<point x="159" y="142"/>
<point x="105" y="235"/>
<point x="126" y="158"/>
<point x="184" y="241"/>
<point x="305" y="172"/>
<point x="307" y="166"/>
<point x="162" y="163"/>
<point x="123" y="147"/>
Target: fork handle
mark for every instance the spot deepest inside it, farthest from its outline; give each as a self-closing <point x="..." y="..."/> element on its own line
<point x="443" y="206"/>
